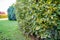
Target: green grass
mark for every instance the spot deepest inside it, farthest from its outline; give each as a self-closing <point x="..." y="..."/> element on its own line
<point x="9" y="30"/>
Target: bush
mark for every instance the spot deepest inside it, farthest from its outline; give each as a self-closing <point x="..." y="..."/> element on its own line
<point x="38" y="17"/>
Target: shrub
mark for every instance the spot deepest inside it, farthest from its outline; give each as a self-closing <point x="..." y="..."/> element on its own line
<point x="38" y="17"/>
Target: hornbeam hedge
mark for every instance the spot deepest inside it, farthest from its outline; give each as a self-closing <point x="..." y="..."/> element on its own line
<point x="38" y="17"/>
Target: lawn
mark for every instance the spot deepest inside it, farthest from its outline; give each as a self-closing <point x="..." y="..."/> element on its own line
<point x="9" y="30"/>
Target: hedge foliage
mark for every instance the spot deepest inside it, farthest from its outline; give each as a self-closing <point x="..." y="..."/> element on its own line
<point x="38" y="16"/>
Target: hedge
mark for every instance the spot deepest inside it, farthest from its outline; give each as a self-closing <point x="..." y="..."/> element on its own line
<point x="38" y="17"/>
<point x="3" y="16"/>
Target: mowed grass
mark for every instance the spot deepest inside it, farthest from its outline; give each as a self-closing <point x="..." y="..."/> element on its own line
<point x="9" y="30"/>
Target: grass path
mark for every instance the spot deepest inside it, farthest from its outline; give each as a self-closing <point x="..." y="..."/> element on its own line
<point x="3" y="18"/>
<point x="9" y="31"/>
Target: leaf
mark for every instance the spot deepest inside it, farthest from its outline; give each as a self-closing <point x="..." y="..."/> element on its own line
<point x="37" y="28"/>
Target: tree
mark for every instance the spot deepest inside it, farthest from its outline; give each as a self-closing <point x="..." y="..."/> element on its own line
<point x="11" y="12"/>
<point x="38" y="17"/>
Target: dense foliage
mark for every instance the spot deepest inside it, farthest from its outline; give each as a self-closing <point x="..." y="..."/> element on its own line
<point x="39" y="17"/>
<point x="11" y="13"/>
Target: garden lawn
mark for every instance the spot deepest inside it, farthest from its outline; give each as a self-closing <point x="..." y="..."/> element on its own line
<point x="9" y="30"/>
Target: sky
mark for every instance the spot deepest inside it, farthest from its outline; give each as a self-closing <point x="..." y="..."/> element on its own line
<point x="4" y="4"/>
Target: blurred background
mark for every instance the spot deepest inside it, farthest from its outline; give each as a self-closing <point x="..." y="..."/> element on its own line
<point x="5" y="7"/>
<point x="9" y="29"/>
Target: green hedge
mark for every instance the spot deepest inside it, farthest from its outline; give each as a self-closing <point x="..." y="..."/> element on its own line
<point x="38" y="17"/>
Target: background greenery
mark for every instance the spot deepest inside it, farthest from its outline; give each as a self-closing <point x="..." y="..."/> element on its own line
<point x="11" y="12"/>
